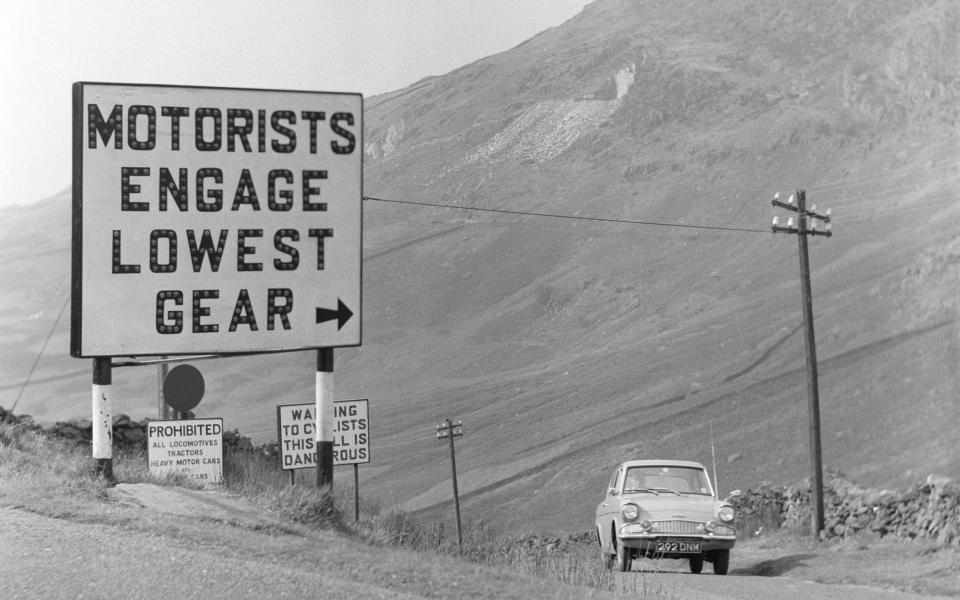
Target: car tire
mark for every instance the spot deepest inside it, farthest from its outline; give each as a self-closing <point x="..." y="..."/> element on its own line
<point x="721" y="561"/>
<point x="624" y="558"/>
<point x="696" y="564"/>
<point x="606" y="559"/>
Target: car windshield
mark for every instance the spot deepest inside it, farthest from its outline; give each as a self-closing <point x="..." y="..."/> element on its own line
<point x="670" y="479"/>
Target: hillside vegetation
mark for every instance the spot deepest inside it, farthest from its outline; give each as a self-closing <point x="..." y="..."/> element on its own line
<point x="566" y="345"/>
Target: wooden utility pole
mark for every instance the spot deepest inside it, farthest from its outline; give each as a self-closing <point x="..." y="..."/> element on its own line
<point x="450" y="430"/>
<point x="798" y="204"/>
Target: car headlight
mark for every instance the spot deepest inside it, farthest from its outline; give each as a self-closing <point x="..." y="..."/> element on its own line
<point x="726" y="513"/>
<point x="630" y="511"/>
<point x="716" y="528"/>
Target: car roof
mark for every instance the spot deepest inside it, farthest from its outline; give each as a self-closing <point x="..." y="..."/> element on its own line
<point x="662" y="463"/>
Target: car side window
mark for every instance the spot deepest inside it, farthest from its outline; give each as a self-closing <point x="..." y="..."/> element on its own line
<point x="614" y="481"/>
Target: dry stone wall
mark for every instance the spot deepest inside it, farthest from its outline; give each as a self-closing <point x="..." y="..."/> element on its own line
<point x="130" y="433"/>
<point x="929" y="510"/>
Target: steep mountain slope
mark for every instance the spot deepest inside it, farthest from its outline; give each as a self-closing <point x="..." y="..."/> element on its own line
<point x="566" y="345"/>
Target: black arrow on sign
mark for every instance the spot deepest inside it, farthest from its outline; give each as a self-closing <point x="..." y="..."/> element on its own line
<point x="342" y="314"/>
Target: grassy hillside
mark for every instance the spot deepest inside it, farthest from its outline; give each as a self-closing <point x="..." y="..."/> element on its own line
<point x="567" y="345"/>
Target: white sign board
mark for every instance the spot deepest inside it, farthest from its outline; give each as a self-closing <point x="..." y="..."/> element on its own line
<point x="192" y="449"/>
<point x="214" y="220"/>
<point x="296" y="431"/>
<point x="351" y="432"/>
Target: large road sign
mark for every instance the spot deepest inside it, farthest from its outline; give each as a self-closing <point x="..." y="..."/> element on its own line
<point x="214" y="220"/>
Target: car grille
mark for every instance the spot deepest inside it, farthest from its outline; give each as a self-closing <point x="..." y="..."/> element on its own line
<point x="676" y="526"/>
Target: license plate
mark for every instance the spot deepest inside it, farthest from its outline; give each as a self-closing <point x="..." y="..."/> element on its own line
<point x="678" y="547"/>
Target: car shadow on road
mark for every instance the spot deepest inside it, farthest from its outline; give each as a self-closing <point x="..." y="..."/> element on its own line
<point x="775" y="567"/>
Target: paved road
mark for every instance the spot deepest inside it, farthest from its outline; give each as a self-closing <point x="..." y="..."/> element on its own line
<point x="174" y="556"/>
<point x="167" y="543"/>
<point x="52" y="559"/>
<point x="707" y="586"/>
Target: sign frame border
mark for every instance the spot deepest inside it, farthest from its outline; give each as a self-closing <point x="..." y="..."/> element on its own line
<point x="188" y="421"/>
<point x="76" y="230"/>
<point x="314" y="466"/>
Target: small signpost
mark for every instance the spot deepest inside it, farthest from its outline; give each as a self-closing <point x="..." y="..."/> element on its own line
<point x="351" y="432"/>
<point x="192" y="449"/>
<point x="296" y="429"/>
<point x="183" y="388"/>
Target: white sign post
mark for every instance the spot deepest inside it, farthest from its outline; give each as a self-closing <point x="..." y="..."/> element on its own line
<point x="215" y="220"/>
<point x="193" y="449"/>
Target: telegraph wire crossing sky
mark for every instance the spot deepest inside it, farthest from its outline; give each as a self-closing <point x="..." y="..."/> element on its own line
<point x="366" y="46"/>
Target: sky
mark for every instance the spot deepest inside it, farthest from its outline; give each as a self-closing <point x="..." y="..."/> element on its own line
<point x="366" y="46"/>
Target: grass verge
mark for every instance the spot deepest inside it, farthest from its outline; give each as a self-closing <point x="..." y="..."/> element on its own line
<point x="55" y="477"/>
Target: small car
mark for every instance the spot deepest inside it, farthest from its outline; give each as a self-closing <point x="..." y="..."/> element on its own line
<point x="664" y="509"/>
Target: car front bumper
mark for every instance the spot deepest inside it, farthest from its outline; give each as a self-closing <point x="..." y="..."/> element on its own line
<point x="632" y="536"/>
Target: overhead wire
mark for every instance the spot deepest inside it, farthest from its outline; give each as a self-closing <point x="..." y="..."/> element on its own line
<point x="857" y="214"/>
<point x="562" y="216"/>
<point x="861" y="201"/>
<point x="40" y="355"/>
<point x="835" y="187"/>
<point x="879" y="177"/>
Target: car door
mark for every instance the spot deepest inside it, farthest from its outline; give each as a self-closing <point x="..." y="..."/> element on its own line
<point x="607" y="509"/>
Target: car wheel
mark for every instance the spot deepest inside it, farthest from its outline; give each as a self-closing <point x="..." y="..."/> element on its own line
<point x="624" y="558"/>
<point x="696" y="563"/>
<point x="606" y="559"/>
<point x="721" y="561"/>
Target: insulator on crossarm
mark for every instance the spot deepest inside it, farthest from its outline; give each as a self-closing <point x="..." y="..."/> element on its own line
<point x="791" y="200"/>
<point x="790" y="223"/>
<point x="776" y="196"/>
<point x="776" y="221"/>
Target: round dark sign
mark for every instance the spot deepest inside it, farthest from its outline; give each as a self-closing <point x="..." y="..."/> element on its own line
<point x="183" y="387"/>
